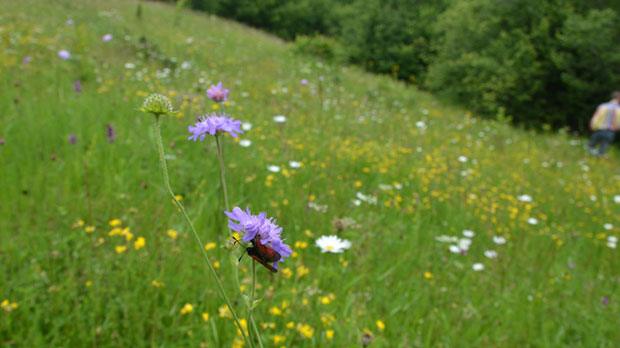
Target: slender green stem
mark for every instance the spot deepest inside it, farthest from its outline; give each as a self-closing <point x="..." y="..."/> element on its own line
<point x="222" y="173"/>
<point x="251" y="306"/>
<point x="162" y="160"/>
<point x="251" y="322"/>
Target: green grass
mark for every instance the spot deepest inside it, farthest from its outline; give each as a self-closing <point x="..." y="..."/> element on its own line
<point x="73" y="289"/>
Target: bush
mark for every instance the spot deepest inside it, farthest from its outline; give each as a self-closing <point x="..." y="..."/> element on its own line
<point x="320" y="46"/>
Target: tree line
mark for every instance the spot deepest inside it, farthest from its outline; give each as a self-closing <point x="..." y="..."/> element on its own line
<point x="539" y="62"/>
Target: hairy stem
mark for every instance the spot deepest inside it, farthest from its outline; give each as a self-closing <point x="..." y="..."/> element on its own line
<point x="251" y="306"/>
<point x="222" y="169"/>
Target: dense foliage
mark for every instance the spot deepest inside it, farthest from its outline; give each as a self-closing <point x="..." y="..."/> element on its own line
<point x="541" y="62"/>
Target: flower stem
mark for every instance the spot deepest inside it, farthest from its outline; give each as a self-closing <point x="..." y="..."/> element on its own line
<point x="251" y="306"/>
<point x="222" y="169"/>
<point x="162" y="160"/>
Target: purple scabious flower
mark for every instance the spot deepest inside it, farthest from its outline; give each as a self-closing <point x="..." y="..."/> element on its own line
<point x="217" y="93"/>
<point x="64" y="54"/>
<point x="253" y="226"/>
<point x="110" y="133"/>
<point x="72" y="138"/>
<point x="26" y="60"/>
<point x="106" y="37"/>
<point x="214" y="124"/>
<point x="77" y="86"/>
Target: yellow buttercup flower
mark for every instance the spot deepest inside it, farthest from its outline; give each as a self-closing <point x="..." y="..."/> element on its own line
<point x="139" y="243"/>
<point x="187" y="308"/>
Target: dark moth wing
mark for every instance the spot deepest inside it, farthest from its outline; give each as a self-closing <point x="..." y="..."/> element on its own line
<point x="254" y="253"/>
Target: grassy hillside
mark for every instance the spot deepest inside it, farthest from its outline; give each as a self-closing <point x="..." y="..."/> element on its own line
<point x="382" y="165"/>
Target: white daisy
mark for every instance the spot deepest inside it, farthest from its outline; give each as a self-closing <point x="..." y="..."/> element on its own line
<point x="273" y="169"/>
<point x="464" y="244"/>
<point x="332" y="244"/>
<point x="279" y="119"/>
<point x="491" y="254"/>
<point x="469" y="233"/>
<point x="477" y="267"/>
<point x="294" y="164"/>
<point x="532" y="221"/>
<point x="454" y="249"/>
<point x="525" y="198"/>
<point x="245" y="142"/>
<point x="617" y="199"/>
<point x="608" y="226"/>
<point x="462" y="159"/>
<point x="499" y="240"/>
<point x="246" y="126"/>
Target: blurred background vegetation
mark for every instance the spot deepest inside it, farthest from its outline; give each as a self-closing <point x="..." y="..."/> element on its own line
<point x="542" y="63"/>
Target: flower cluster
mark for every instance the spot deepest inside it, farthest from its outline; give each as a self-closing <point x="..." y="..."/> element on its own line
<point x="157" y="104"/>
<point x="217" y="93"/>
<point x="253" y="226"/>
<point x="214" y="124"/>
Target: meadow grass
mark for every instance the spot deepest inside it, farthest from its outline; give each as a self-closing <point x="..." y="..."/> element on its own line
<point x="422" y="169"/>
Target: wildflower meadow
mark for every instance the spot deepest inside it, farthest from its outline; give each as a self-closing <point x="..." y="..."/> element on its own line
<point x="173" y="179"/>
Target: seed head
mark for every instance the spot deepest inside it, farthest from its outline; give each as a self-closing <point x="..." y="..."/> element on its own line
<point x="157" y="105"/>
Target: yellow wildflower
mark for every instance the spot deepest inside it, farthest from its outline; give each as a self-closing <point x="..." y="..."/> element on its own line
<point x="224" y="312"/>
<point x="380" y="325"/>
<point x="157" y="284"/>
<point x="89" y="283"/>
<point x="139" y="243"/>
<point x="244" y="326"/>
<point x="172" y="233"/>
<point x="277" y="339"/>
<point x="428" y="275"/>
<point x="302" y="271"/>
<point x="89" y="228"/>
<point x="275" y="311"/>
<point x="115" y="222"/>
<point x="210" y="246"/>
<point x="305" y="330"/>
<point x="188" y="308"/>
<point x="120" y="249"/>
<point x="115" y="232"/>
<point x="329" y="334"/>
<point x="205" y="316"/>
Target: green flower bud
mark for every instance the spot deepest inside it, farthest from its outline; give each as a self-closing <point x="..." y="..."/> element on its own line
<point x="157" y="105"/>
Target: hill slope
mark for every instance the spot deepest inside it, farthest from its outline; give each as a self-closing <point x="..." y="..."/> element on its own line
<point x="384" y="166"/>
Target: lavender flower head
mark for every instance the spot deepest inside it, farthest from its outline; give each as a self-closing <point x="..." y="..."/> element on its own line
<point x="64" y="54"/>
<point x="106" y="37"/>
<point x="72" y="138"/>
<point x="253" y="226"/>
<point x="217" y="93"/>
<point x="110" y="133"/>
<point x="214" y="125"/>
